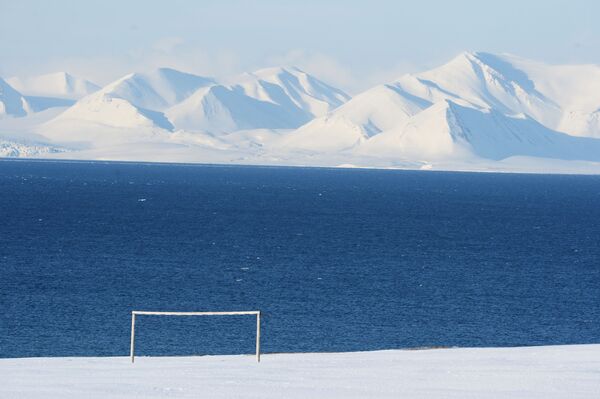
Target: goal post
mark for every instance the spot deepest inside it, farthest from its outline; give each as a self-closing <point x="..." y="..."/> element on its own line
<point x="240" y="313"/>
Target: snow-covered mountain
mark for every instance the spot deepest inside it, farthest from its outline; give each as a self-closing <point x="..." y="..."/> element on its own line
<point x="55" y="85"/>
<point x="272" y="98"/>
<point x="478" y="109"/>
<point x="562" y="98"/>
<point x="447" y="130"/>
<point x="478" y="104"/>
<point x="156" y="90"/>
<point x="133" y="102"/>
<point x="106" y="110"/>
<point x="379" y="109"/>
<point x="104" y="119"/>
<point x="12" y="103"/>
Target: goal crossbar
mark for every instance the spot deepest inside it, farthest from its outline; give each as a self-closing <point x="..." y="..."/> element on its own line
<point x="238" y="313"/>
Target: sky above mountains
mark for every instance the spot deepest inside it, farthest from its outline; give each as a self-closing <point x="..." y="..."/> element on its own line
<point x="353" y="44"/>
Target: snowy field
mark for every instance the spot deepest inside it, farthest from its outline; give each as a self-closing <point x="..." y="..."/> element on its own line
<point x="529" y="372"/>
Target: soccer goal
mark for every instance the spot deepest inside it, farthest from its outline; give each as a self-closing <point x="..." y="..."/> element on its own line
<point x="243" y="313"/>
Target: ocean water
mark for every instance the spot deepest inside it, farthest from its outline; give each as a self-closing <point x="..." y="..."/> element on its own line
<point x="337" y="260"/>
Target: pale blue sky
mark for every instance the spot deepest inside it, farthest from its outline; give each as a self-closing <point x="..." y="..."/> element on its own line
<point x="351" y="43"/>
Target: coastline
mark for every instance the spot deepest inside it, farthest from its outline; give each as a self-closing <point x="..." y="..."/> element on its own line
<point x="594" y="169"/>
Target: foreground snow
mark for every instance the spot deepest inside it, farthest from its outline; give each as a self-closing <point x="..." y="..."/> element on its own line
<point x="530" y="372"/>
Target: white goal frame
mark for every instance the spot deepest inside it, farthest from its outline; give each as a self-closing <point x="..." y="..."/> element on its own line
<point x="241" y="313"/>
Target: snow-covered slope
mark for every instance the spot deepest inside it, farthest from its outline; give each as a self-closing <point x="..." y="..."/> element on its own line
<point x="55" y="85"/>
<point x="574" y="88"/>
<point x="482" y="79"/>
<point x="292" y="87"/>
<point x="447" y="130"/>
<point x="105" y="120"/>
<point x="508" y="106"/>
<point x="155" y="90"/>
<point x="12" y="103"/>
<point x="563" y="98"/>
<point x="112" y="111"/>
<point x="378" y="109"/>
<point x="272" y="98"/>
<point x="549" y="372"/>
<point x="130" y="103"/>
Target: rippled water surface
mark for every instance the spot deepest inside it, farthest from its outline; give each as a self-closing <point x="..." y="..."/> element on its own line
<point x="336" y="260"/>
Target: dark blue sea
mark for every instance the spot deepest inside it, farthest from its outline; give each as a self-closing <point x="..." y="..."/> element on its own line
<point x="337" y="260"/>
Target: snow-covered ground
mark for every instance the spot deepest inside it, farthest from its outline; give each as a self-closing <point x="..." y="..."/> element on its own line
<point x="530" y="372"/>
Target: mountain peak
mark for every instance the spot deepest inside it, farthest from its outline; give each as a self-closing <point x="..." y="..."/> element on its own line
<point x="480" y="61"/>
<point x="272" y="98"/>
<point x="156" y="89"/>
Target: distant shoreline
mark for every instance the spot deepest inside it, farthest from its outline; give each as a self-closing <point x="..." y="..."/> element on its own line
<point x="272" y="166"/>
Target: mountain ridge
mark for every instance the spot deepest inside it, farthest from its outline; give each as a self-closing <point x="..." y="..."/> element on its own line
<point x="476" y="107"/>
<point x="12" y="103"/>
<point x="272" y="98"/>
<point x="55" y="85"/>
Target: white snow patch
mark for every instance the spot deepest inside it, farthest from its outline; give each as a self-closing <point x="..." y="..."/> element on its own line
<point x="530" y="372"/>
